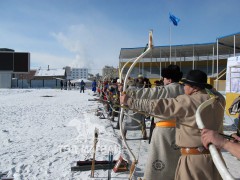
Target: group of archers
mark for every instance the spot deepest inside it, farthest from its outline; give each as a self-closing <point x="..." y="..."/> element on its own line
<point x="178" y="148"/>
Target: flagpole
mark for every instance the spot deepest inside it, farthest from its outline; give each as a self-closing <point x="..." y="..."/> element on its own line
<point x="175" y="21"/>
<point x="170" y="39"/>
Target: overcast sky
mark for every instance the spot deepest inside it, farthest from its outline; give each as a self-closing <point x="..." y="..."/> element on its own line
<point x="90" y="33"/>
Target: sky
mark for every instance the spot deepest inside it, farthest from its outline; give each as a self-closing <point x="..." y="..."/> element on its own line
<point x="91" y="33"/>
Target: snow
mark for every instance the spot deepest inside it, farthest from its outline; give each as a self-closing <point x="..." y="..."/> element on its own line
<point x="50" y="72"/>
<point x="43" y="132"/>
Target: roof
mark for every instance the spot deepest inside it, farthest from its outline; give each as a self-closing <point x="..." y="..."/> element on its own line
<point x="50" y="72"/>
<point x="6" y="49"/>
<point x="225" y="47"/>
<point x="228" y="41"/>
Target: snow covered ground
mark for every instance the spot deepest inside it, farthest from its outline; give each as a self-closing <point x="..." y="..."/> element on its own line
<point x="43" y="132"/>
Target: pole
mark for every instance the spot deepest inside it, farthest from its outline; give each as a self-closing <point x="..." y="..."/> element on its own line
<point x="213" y="63"/>
<point x="234" y="44"/>
<point x="110" y="160"/>
<point x="193" y="59"/>
<point x="160" y="63"/>
<point x="22" y="81"/>
<point x="170" y="39"/>
<point x="217" y="67"/>
<point x="175" y="56"/>
<point x="94" y="151"/>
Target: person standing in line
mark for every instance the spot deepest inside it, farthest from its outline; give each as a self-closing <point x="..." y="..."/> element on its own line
<point x="61" y="83"/>
<point x="65" y="85"/>
<point x="94" y="86"/>
<point x="163" y="153"/>
<point x="139" y="82"/>
<point x="195" y="161"/>
<point x="69" y="84"/>
<point x="82" y="86"/>
<point x="130" y="122"/>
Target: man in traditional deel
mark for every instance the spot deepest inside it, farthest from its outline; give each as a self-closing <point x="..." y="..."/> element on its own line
<point x="195" y="162"/>
<point x="163" y="153"/>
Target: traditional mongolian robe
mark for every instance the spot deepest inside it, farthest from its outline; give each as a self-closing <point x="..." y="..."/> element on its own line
<point x="183" y="109"/>
<point x="163" y="154"/>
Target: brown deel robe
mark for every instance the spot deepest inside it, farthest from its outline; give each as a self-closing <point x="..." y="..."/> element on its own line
<point x="183" y="109"/>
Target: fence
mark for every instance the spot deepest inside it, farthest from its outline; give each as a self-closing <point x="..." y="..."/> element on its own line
<point x="23" y="83"/>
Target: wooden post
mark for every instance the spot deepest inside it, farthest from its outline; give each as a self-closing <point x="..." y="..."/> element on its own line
<point x="110" y="160"/>
<point x="94" y="151"/>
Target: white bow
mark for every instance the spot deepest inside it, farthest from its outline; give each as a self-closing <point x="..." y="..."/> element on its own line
<point x="134" y="160"/>
<point x="221" y="167"/>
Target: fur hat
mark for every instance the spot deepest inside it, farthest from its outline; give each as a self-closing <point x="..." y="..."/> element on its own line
<point x="197" y="78"/>
<point x="172" y="72"/>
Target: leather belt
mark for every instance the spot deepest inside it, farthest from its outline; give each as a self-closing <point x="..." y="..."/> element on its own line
<point x="166" y="123"/>
<point x="194" y="151"/>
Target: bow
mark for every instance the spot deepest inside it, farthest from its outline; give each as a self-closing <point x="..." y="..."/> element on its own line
<point x="106" y="76"/>
<point x="121" y="72"/>
<point x="212" y="148"/>
<point x="120" y="81"/>
<point x="134" y="160"/>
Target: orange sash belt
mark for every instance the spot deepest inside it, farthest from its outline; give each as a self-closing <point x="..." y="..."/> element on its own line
<point x="167" y="123"/>
<point x="194" y="151"/>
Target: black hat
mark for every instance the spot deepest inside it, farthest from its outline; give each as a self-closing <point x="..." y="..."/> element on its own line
<point x="172" y="72"/>
<point x="197" y="78"/>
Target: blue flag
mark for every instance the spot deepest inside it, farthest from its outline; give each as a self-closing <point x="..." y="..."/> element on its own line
<point x="174" y="19"/>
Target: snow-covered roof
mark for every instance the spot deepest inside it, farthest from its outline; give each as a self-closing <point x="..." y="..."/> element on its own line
<point x="50" y="72"/>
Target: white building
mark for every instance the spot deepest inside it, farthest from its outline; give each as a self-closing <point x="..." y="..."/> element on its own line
<point x="78" y="73"/>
